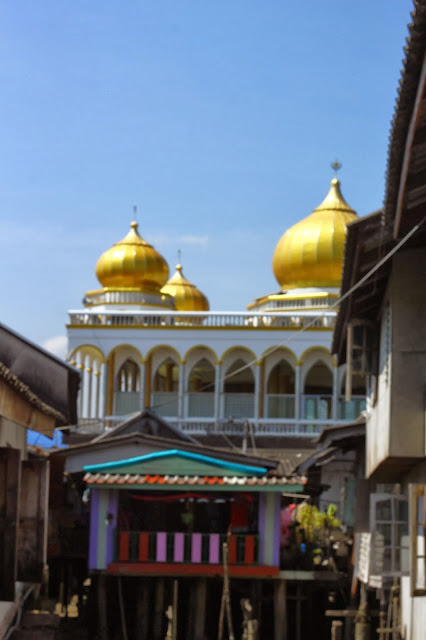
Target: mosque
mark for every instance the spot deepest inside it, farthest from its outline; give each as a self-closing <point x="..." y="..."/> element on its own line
<point x="144" y="340"/>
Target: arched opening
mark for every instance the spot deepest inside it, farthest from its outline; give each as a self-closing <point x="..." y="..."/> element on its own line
<point x="281" y="391"/>
<point x="128" y="378"/>
<point x="127" y="388"/>
<point x="352" y="409"/>
<point x="165" y="389"/>
<point x="201" y="387"/>
<point x="318" y="392"/>
<point x="239" y="390"/>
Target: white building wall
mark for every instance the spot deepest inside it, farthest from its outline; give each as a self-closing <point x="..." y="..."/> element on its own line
<point x="378" y="416"/>
<point x="182" y="340"/>
<point x="413" y="613"/>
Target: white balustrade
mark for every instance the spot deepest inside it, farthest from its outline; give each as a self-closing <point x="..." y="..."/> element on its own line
<point x="200" y="319"/>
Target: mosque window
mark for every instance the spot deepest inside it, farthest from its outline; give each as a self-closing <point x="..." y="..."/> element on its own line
<point x="239" y="378"/>
<point x="128" y="377"/>
<point x="202" y="377"/>
<point x="281" y="378"/>
<point x="281" y="390"/>
<point x="318" y="392"/>
<point x="166" y="378"/>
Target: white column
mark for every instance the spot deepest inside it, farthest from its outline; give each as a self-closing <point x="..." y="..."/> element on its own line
<point x="80" y="368"/>
<point x="103" y="389"/>
<point x="335" y="393"/>
<point x="257" y="391"/>
<point x="97" y="375"/>
<point x="89" y="377"/>
<point x="298" y="393"/>
<point x="217" y="392"/>
<point x="142" y="385"/>
<point x="182" y="408"/>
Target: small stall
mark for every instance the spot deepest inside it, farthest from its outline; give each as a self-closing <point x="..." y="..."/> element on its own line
<point x="169" y="513"/>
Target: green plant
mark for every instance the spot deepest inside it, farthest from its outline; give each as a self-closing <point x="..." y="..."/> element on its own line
<point x="315" y="523"/>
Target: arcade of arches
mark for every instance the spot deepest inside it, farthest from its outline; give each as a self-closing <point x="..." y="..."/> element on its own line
<point x="201" y="389"/>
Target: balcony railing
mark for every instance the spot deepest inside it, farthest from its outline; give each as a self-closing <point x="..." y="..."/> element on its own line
<point x="238" y="405"/>
<point x="352" y="409"/>
<point x="188" y="548"/>
<point x="165" y="403"/>
<point x="290" y="319"/>
<point x="201" y="405"/>
<point x="280" y="406"/>
<point x="126" y="402"/>
<point x="317" y="407"/>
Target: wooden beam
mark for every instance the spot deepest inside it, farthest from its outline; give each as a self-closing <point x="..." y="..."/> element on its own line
<point x="188" y="570"/>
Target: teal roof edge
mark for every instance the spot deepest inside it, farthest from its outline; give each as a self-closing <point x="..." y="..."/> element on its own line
<point x="176" y="452"/>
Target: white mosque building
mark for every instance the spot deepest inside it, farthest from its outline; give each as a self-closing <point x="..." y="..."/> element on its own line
<point x="144" y="340"/>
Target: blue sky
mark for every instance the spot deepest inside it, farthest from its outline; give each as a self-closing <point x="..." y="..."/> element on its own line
<point x="218" y="118"/>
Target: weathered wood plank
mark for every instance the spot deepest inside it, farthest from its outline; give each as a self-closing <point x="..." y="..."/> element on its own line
<point x="10" y="464"/>
<point x="33" y="513"/>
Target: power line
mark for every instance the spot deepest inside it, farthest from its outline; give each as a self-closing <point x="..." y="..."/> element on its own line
<point x="311" y="323"/>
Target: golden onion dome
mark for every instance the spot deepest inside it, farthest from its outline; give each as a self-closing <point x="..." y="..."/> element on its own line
<point x="310" y="254"/>
<point x="132" y="263"/>
<point x="186" y="295"/>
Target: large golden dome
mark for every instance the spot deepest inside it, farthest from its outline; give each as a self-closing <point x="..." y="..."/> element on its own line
<point x="310" y="254"/>
<point x="132" y="263"/>
<point x="186" y="295"/>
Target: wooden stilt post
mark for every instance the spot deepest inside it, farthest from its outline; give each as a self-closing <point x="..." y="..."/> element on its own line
<point x="299" y="612"/>
<point x="337" y="630"/>
<point x="175" y="609"/>
<point x="280" y="610"/>
<point x="142" y="608"/>
<point x="159" y="609"/>
<point x="102" y="608"/>
<point x="200" y="608"/>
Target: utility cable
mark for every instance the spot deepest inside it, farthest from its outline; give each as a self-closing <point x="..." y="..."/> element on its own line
<point x="312" y="322"/>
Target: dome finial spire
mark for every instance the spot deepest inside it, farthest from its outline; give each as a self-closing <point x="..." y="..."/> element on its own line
<point x="135" y="213"/>
<point x="179" y="263"/>
<point x="336" y="166"/>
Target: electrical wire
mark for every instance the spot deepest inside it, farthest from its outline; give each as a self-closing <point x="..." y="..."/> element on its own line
<point x="311" y="323"/>
<point x="306" y="326"/>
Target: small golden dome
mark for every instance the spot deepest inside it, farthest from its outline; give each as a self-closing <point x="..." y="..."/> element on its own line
<point x="310" y="254"/>
<point x="132" y="263"/>
<point x="186" y="295"/>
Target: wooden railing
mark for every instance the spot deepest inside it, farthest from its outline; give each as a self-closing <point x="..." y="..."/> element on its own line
<point x="187" y="548"/>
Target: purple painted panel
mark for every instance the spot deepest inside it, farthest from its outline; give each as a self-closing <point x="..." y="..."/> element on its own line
<point x="262" y="510"/>
<point x="178" y="551"/>
<point x="94" y="519"/>
<point x="214" y="548"/>
<point x="196" y="547"/>
<point x="111" y="528"/>
<point x="161" y="546"/>
<point x="277" y="529"/>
